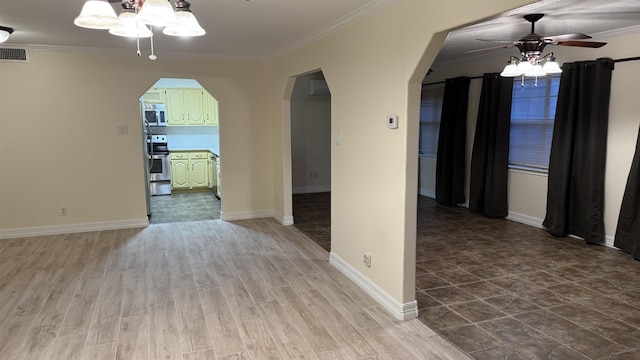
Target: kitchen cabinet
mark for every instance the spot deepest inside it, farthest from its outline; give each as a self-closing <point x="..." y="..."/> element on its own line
<point x="175" y="106"/>
<point x="153" y="96"/>
<point x="189" y="170"/>
<point x="193" y="105"/>
<point x="185" y="106"/>
<point x="210" y="110"/>
<point x="179" y="170"/>
<point x="199" y="176"/>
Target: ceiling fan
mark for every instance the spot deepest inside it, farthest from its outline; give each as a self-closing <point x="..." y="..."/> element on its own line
<point x="534" y="43"/>
<point x="531" y="47"/>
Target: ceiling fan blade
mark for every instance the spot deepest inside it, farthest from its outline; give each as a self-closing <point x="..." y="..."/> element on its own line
<point x="496" y="41"/>
<point x="564" y="37"/>
<point x="490" y="48"/>
<point x="589" y="44"/>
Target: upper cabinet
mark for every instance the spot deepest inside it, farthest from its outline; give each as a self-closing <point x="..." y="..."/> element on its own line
<point x="193" y="100"/>
<point x="190" y="107"/>
<point x="210" y="110"/>
<point x="153" y="96"/>
<point x="175" y="106"/>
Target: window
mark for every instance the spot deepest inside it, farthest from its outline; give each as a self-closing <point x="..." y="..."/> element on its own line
<point x="533" y="109"/>
<point x="430" y="111"/>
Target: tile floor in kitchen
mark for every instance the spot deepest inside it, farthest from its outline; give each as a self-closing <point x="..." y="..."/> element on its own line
<point x="184" y="206"/>
<point x="498" y="289"/>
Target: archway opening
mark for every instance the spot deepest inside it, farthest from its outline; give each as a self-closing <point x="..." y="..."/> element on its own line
<point x="181" y="152"/>
<point x="310" y="107"/>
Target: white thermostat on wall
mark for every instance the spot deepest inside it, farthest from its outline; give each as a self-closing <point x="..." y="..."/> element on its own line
<point x="392" y="121"/>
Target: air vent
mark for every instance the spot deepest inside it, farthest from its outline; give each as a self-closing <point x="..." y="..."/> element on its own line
<point x="14" y="55"/>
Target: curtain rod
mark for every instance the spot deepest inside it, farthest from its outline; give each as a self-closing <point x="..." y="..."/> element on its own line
<point x="480" y="77"/>
<point x="627" y="59"/>
<point x="444" y="81"/>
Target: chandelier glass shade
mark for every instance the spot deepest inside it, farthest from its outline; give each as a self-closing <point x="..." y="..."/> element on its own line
<point x="97" y="14"/>
<point x="156" y="12"/>
<point x="4" y="33"/>
<point x="186" y="24"/>
<point x="130" y="27"/>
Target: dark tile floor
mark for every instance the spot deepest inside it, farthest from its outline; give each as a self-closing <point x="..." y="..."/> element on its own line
<point x="312" y="214"/>
<point x="498" y="289"/>
<point x="184" y="206"/>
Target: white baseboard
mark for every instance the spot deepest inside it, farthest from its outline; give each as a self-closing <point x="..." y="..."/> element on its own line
<point x="400" y="311"/>
<point x="72" y="228"/>
<point x="427" y="192"/>
<point x="535" y="222"/>
<point x="311" y="189"/>
<point x="525" y="219"/>
<point x="245" y="215"/>
<point x="284" y="220"/>
<point x="609" y="241"/>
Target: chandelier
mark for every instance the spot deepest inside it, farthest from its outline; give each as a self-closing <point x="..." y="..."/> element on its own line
<point x="138" y="17"/>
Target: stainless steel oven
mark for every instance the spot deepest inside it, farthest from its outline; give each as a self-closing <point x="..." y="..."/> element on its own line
<point x="160" y="169"/>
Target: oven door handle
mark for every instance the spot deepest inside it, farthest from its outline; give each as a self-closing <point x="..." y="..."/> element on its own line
<point x="149" y="148"/>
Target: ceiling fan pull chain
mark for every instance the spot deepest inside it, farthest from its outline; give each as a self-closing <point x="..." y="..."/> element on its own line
<point x="138" y="45"/>
<point x="153" y="55"/>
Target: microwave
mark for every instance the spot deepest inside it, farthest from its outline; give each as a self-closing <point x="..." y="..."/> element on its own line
<point x="154" y="114"/>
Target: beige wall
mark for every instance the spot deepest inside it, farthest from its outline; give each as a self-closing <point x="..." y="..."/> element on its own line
<point x="373" y="68"/>
<point x="527" y="191"/>
<point x="59" y="148"/>
<point x="59" y="145"/>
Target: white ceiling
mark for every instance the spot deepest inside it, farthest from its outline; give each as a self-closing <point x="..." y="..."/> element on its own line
<point x="235" y="28"/>
<point x="262" y="28"/>
<point x="598" y="18"/>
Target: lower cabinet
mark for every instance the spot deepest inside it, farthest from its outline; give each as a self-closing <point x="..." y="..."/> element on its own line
<point x="199" y="176"/>
<point x="189" y="170"/>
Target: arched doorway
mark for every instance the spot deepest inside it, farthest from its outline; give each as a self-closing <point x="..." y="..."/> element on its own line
<point x="181" y="148"/>
<point x="311" y="157"/>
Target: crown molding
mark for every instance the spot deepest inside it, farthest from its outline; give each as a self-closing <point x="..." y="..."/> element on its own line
<point x="358" y="14"/>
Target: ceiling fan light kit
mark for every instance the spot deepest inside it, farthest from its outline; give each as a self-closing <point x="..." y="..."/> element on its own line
<point x="529" y="65"/>
<point x="138" y="17"/>
<point x="532" y="62"/>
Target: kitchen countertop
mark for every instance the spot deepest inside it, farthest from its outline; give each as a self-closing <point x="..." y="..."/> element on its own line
<point x="195" y="148"/>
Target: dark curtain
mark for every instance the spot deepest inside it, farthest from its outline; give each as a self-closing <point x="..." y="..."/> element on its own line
<point x="575" y="196"/>
<point x="451" y="142"/>
<point x="490" y="156"/>
<point x="628" y="230"/>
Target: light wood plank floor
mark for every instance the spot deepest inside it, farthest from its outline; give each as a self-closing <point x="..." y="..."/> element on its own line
<point x="199" y="290"/>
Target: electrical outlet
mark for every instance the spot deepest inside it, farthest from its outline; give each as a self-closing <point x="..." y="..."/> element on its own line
<point x="123" y="130"/>
<point x="367" y="259"/>
<point x="63" y="212"/>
